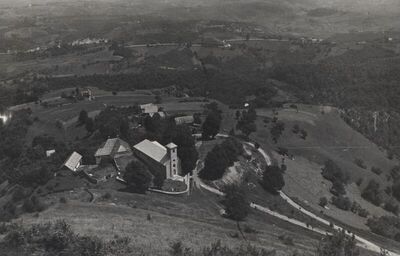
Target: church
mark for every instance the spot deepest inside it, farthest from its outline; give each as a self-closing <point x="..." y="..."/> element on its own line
<point x="158" y="157"/>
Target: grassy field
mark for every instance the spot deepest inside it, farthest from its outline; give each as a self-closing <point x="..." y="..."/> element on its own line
<point x="155" y="221"/>
<point x="329" y="137"/>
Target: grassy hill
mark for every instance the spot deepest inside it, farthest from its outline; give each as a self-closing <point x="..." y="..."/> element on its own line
<point x="153" y="222"/>
<point x="329" y="137"/>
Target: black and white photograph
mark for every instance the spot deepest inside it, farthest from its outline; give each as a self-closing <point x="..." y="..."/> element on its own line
<point x="199" y="127"/>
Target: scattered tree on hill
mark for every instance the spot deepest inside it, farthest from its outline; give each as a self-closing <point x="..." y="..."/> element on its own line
<point x="83" y="115"/>
<point x="247" y="121"/>
<point x="360" y="163"/>
<point x="341" y="202"/>
<point x="157" y="99"/>
<point x="235" y="203"/>
<point x="396" y="190"/>
<point x="323" y="201"/>
<point x="338" y="244"/>
<point x="303" y="134"/>
<point x="296" y="129"/>
<point x="372" y="193"/>
<point x="331" y="171"/>
<point x="277" y="130"/>
<point x="89" y="125"/>
<point x="211" y="125"/>
<point x="272" y="179"/>
<point x="387" y="226"/>
<point x="138" y="177"/>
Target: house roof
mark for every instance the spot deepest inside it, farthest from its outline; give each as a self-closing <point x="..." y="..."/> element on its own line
<point x="149" y="108"/>
<point x="184" y="119"/>
<point x="73" y="161"/>
<point x="161" y="113"/>
<point x="153" y="149"/>
<point x="112" y="147"/>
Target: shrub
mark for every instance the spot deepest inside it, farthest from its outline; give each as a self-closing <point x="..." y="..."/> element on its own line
<point x="360" y="163"/>
<point x="63" y="200"/>
<point x="323" y="201"/>
<point x="33" y="204"/>
<point x="286" y="239"/>
<point x="337" y="188"/>
<point x="249" y="230"/>
<point x="342" y="202"/>
<point x="391" y="207"/>
<point x="303" y="134"/>
<point x="376" y="170"/>
<point x="296" y="129"/>
<point x="363" y="213"/>
<point x="332" y="172"/>
<point x="371" y="193"/>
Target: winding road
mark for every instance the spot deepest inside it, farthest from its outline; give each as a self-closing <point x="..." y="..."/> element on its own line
<point x="361" y="242"/>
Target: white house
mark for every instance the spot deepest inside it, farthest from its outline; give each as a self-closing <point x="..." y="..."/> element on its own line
<point x="149" y="108"/>
<point x="184" y="120"/>
<point x="159" y="157"/>
<point x="73" y="162"/>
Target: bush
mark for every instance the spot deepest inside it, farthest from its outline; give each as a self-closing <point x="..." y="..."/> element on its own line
<point x="337" y="188"/>
<point x="360" y="163"/>
<point x="63" y="200"/>
<point x="391" y="207"/>
<point x="286" y="239"/>
<point x="372" y="193"/>
<point x="376" y="170"/>
<point x="249" y="230"/>
<point x="323" y="201"/>
<point x="387" y="226"/>
<point x="332" y="172"/>
<point x="342" y="202"/>
<point x="33" y="204"/>
<point x="363" y="213"/>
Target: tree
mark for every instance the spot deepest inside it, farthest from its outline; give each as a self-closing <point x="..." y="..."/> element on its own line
<point x="158" y="99"/>
<point x="296" y="129"/>
<point x="187" y="152"/>
<point x="323" y="201"/>
<point x="83" y="115"/>
<point x="338" y="244"/>
<point x="372" y="193"/>
<point x="211" y="125"/>
<point x="220" y="158"/>
<point x="215" y="164"/>
<point x="89" y="125"/>
<point x="197" y="118"/>
<point x="235" y="203"/>
<point x="238" y="114"/>
<point x="138" y="177"/>
<point x="272" y="179"/>
<point x="303" y="134"/>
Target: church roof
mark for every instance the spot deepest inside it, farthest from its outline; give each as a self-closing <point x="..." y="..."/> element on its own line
<point x="153" y="149"/>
